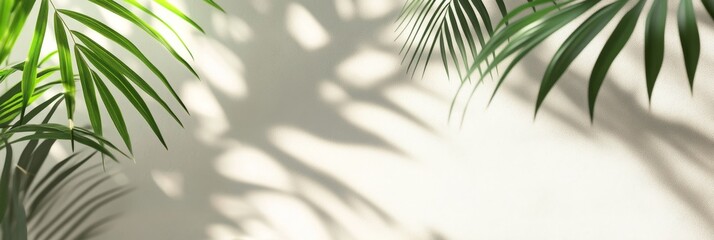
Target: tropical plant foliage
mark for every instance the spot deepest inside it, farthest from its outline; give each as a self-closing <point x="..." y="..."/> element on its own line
<point x="98" y="73"/>
<point x="455" y="25"/>
<point x="61" y="202"/>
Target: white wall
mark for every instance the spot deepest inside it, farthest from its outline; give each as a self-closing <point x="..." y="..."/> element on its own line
<point x="306" y="127"/>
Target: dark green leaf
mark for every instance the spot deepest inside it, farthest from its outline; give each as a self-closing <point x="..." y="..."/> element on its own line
<point x="215" y="5"/>
<point x="654" y="43"/>
<point x="709" y="6"/>
<point x="689" y="36"/>
<point x="574" y="45"/>
<point x="609" y="52"/>
<point x="5" y="181"/>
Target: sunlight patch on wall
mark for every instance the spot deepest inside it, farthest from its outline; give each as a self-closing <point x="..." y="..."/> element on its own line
<point x="397" y="129"/>
<point x="305" y="28"/>
<point x="357" y="224"/>
<point x="118" y="23"/>
<point x="368" y="67"/>
<point x="221" y="67"/>
<point x="183" y="29"/>
<point x="223" y="232"/>
<point x="262" y="6"/>
<point x="205" y="107"/>
<point x="229" y="26"/>
<point x="360" y="167"/>
<point x="345" y="9"/>
<point x="325" y="154"/>
<point x="171" y="183"/>
<point x="251" y="165"/>
<point x="232" y="207"/>
<point x="424" y="105"/>
<point x="258" y="229"/>
<point x="243" y="214"/>
<point x="371" y="9"/>
<point x="58" y="152"/>
<point x="282" y="212"/>
<point x="332" y="93"/>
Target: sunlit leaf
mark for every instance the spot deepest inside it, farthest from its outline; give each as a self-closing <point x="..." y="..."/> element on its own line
<point x="113" y="35"/>
<point x="166" y="4"/>
<point x="121" y="11"/>
<point x="29" y="75"/>
<point x="66" y="69"/>
<point x="214" y="4"/>
<point x="112" y="108"/>
<point x="121" y="83"/>
<point x="110" y="60"/>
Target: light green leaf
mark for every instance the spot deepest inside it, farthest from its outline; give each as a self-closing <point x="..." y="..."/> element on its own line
<point x="66" y="69"/>
<point x="116" y="63"/>
<point x="121" y="11"/>
<point x="113" y="110"/>
<point x="166" y="4"/>
<point x="86" y="80"/>
<point x="119" y="81"/>
<point x="29" y="76"/>
<point x="111" y="34"/>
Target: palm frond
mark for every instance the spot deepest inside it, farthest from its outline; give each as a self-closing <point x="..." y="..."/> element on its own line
<point x="459" y="28"/>
<point x="61" y="201"/>
<point x="517" y="35"/>
<point x="83" y="59"/>
<point x="39" y="204"/>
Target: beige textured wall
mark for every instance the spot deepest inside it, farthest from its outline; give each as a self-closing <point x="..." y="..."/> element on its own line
<point x="306" y="127"/>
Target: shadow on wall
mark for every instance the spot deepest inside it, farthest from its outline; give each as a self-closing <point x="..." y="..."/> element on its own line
<point x="623" y="116"/>
<point x="671" y="137"/>
<point x="285" y="80"/>
<point x="304" y="74"/>
<point x="294" y="91"/>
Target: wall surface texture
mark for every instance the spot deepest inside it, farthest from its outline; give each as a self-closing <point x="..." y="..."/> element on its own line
<point x="305" y="126"/>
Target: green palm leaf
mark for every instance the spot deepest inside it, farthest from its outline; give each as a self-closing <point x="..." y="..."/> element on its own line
<point x="61" y="202"/>
<point x="654" y="43"/>
<point x="214" y="4"/>
<point x="689" y="36"/>
<point x="522" y="28"/>
<point x="29" y="75"/>
<point x="66" y="70"/>
<point x="166" y="4"/>
<point x="609" y="52"/>
<point x="574" y="45"/>
<point x="120" y="82"/>
<point x="458" y="27"/>
<point x="121" y="11"/>
<point x="113" y="35"/>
